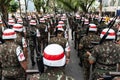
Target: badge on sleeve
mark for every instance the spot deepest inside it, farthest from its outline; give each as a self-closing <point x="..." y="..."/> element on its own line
<point x="20" y="54"/>
<point x="24" y="42"/>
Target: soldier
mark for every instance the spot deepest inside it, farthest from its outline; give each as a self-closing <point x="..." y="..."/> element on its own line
<point x="59" y="39"/>
<point x="101" y="25"/>
<point x="1" y="41"/>
<point x="43" y="29"/>
<point x="1" y="31"/>
<point x="32" y="35"/>
<point x="86" y="45"/>
<point x="12" y="58"/>
<point x="11" y="22"/>
<point x="105" y="56"/>
<point x="54" y="59"/>
<point x="20" y="40"/>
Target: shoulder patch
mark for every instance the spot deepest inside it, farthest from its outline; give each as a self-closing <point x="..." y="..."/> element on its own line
<point x="19" y="53"/>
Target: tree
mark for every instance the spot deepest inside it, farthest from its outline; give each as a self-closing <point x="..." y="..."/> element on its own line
<point x="65" y="5"/>
<point x="4" y="6"/>
<point x="74" y="5"/>
<point x="85" y="4"/>
<point x="13" y="6"/>
<point x="68" y="5"/>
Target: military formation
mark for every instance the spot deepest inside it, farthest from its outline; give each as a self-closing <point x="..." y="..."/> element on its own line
<point x="96" y="40"/>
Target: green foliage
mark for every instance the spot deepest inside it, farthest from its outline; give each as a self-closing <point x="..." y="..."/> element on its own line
<point x="39" y="4"/>
<point x="63" y="5"/>
<point x="74" y="5"/>
<point x="13" y="6"/>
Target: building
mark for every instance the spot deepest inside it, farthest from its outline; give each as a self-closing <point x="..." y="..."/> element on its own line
<point x="111" y="5"/>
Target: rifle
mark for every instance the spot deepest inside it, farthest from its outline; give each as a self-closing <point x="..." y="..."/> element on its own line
<point x="91" y="66"/>
<point x="4" y="21"/>
<point x="111" y="75"/>
<point x="109" y="26"/>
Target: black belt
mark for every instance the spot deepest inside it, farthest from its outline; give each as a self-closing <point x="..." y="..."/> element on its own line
<point x="106" y="64"/>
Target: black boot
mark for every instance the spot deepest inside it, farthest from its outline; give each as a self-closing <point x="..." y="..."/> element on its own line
<point x="33" y="63"/>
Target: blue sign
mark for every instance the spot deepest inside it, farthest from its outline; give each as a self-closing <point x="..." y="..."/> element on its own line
<point x="118" y="13"/>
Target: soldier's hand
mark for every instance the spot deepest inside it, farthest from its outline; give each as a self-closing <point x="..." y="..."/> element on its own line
<point x="67" y="61"/>
<point x="88" y="53"/>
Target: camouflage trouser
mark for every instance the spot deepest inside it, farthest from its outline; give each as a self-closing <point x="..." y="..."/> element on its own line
<point x="32" y="48"/>
<point x="86" y="67"/>
<point x="8" y="78"/>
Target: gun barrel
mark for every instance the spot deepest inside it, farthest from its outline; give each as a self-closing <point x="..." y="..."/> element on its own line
<point x="114" y="73"/>
<point x="32" y="71"/>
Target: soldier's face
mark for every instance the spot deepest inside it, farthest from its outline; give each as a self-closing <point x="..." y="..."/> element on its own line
<point x="60" y="34"/>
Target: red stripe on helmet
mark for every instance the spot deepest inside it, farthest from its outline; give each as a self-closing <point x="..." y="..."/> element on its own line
<point x="111" y="34"/>
<point x="8" y="34"/>
<point x="53" y="57"/>
<point x="92" y="26"/>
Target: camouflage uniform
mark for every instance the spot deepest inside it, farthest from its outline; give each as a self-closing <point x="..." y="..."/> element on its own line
<point x="101" y="26"/>
<point x="31" y="35"/>
<point x="43" y="29"/>
<point x="20" y="40"/>
<point x="11" y="68"/>
<point x="55" y="74"/>
<point x="1" y="41"/>
<point x="106" y="56"/>
<point x="62" y="41"/>
<point x="1" y="31"/>
<point x="87" y="46"/>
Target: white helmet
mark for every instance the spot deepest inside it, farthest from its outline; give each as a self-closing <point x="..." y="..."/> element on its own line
<point x="54" y="55"/>
<point x="11" y="22"/>
<point x="60" y="27"/>
<point x="18" y="27"/>
<point x="111" y="33"/>
<point x="92" y="27"/>
<point x="20" y="21"/>
<point x="61" y="23"/>
<point x="9" y="34"/>
<point x="42" y="20"/>
<point x="33" y="22"/>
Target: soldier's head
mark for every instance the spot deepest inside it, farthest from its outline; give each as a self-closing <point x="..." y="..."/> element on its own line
<point x="42" y="20"/>
<point x="20" y="21"/>
<point x="111" y="34"/>
<point x="11" y="22"/>
<point x="60" y="31"/>
<point x="33" y="23"/>
<point x="61" y="23"/>
<point x="54" y="56"/>
<point x="91" y="29"/>
<point x="9" y="34"/>
<point x="18" y="27"/>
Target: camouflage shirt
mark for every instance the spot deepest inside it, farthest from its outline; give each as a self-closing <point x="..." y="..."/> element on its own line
<point x="55" y="74"/>
<point x="19" y="40"/>
<point x="9" y="61"/>
<point x="106" y="55"/>
<point x="31" y="35"/>
<point x="62" y="41"/>
<point x="86" y="41"/>
<point x="43" y="29"/>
